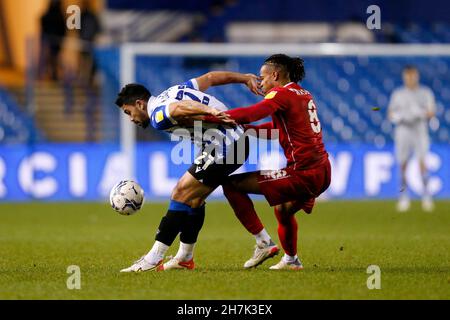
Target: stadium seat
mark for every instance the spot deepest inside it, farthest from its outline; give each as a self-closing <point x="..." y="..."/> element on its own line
<point x="15" y="125"/>
<point x="346" y="89"/>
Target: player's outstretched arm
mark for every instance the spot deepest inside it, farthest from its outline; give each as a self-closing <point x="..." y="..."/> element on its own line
<point x="254" y="112"/>
<point x="217" y="78"/>
<point x="186" y="109"/>
<point x="249" y="114"/>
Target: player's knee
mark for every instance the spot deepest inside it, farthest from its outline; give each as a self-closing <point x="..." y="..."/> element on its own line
<point x="183" y="192"/>
<point x="283" y="213"/>
<point x="227" y="188"/>
<point x="232" y="184"/>
<point x="196" y="202"/>
<point x="179" y="193"/>
<point x="280" y="214"/>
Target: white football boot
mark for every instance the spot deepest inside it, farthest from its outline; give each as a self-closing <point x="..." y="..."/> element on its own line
<point x="175" y="263"/>
<point x="283" y="265"/>
<point x="142" y="265"/>
<point x="261" y="254"/>
<point x="403" y="203"/>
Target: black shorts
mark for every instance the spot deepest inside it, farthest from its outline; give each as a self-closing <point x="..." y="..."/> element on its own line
<point x="212" y="169"/>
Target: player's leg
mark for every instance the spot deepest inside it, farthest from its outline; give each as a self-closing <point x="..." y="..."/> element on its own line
<point x="236" y="190"/>
<point x="169" y="227"/>
<point x="303" y="186"/>
<point x="244" y="210"/>
<point x="287" y="226"/>
<point x="193" y="188"/>
<point x="427" y="200"/>
<point x="275" y="185"/>
<point x="404" y="202"/>
<point x="287" y="233"/>
<point x="185" y="214"/>
<point x="403" y="182"/>
<point x="422" y="147"/>
<point x="289" y="191"/>
<point x="402" y="150"/>
<point x="192" y="194"/>
<point x="202" y="178"/>
<point x="423" y="174"/>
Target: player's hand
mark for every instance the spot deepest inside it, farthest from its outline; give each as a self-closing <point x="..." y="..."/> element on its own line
<point x="223" y="117"/>
<point x="214" y="112"/>
<point x="253" y="84"/>
<point x="430" y="115"/>
<point x="226" y="119"/>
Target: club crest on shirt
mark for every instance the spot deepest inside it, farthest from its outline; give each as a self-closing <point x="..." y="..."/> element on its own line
<point x="270" y="95"/>
<point x="159" y="116"/>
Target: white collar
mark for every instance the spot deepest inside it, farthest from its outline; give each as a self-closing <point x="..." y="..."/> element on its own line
<point x="151" y="100"/>
<point x="287" y="84"/>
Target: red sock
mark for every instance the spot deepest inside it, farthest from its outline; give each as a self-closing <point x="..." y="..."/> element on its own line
<point x="243" y="209"/>
<point x="287" y="232"/>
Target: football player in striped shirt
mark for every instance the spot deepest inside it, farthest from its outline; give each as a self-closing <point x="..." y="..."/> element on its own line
<point x="175" y="111"/>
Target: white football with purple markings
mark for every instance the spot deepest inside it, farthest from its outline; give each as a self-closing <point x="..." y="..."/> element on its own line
<point x="126" y="197"/>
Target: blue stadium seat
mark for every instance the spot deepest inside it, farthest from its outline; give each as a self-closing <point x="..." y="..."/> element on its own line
<point x="15" y="126"/>
<point x="346" y="89"/>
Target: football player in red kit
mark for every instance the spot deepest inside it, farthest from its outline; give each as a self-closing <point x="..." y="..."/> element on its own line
<point x="308" y="171"/>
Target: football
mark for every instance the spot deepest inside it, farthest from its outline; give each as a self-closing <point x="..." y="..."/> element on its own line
<point x="126" y="197"/>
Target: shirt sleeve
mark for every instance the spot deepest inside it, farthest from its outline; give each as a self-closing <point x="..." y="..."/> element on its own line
<point x="271" y="103"/>
<point x="161" y="119"/>
<point x="253" y="113"/>
<point x="192" y="84"/>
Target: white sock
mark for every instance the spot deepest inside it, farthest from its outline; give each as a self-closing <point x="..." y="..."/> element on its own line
<point x="185" y="251"/>
<point x="262" y="238"/>
<point x="289" y="259"/>
<point x="156" y="253"/>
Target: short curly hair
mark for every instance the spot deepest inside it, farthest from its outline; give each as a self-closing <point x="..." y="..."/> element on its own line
<point x="132" y="92"/>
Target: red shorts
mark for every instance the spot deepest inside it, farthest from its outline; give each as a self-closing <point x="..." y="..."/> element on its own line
<point x="300" y="186"/>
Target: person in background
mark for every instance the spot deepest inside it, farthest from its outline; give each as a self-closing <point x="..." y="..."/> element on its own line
<point x="53" y="31"/>
<point x="410" y="108"/>
<point x="90" y="29"/>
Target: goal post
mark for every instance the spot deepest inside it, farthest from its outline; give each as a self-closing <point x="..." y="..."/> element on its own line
<point x="127" y="128"/>
<point x="130" y="51"/>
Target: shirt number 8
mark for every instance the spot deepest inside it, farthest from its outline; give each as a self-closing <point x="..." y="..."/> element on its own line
<point x="313" y="118"/>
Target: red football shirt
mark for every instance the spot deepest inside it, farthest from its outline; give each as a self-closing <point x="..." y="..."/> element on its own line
<point x="294" y="114"/>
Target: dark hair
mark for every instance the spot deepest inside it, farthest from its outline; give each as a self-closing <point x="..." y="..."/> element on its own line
<point x="409" y="67"/>
<point x="132" y="92"/>
<point x="293" y="67"/>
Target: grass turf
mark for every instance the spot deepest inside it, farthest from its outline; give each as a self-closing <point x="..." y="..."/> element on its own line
<point x="337" y="243"/>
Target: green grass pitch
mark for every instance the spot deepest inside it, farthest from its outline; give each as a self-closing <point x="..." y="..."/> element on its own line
<point x="336" y="244"/>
